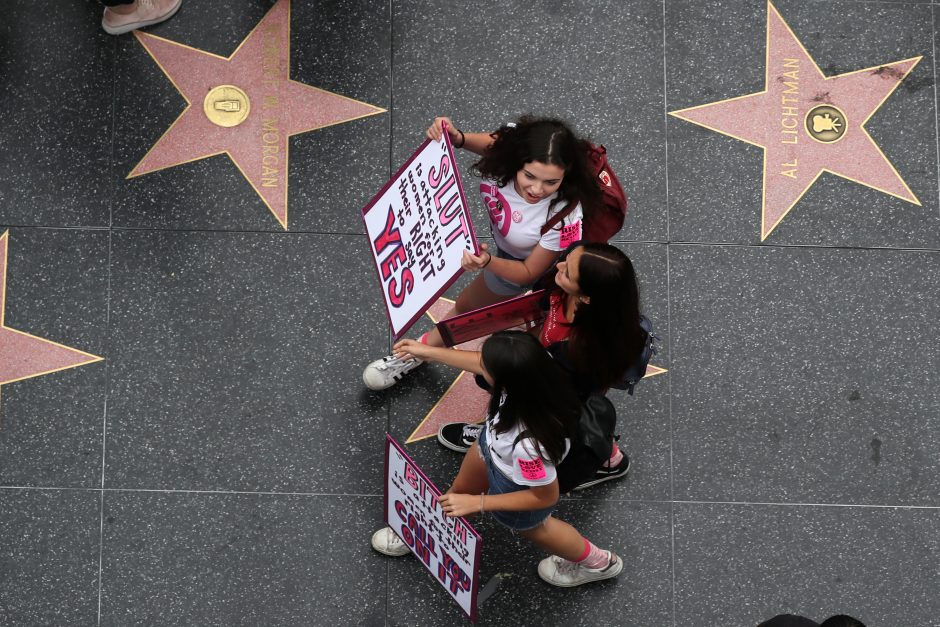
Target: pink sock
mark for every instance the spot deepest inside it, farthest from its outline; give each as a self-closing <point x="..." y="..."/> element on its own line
<point x="593" y="557"/>
<point x="616" y="456"/>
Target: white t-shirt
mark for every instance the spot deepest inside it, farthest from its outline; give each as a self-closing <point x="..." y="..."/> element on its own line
<point x="524" y="463"/>
<point x="516" y="225"/>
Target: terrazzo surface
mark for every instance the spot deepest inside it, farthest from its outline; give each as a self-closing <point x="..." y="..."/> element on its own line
<point x="222" y="463"/>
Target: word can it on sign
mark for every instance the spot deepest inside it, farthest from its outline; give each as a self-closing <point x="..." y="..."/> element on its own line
<point x="418" y="227"/>
<point x="449" y="548"/>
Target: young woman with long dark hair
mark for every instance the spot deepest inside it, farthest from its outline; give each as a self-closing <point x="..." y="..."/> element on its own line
<point x="592" y="328"/>
<point x="510" y="473"/>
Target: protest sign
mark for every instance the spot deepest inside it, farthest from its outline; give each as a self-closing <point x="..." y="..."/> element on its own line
<point x="492" y="318"/>
<point x="418" y="227"/>
<point x="448" y="547"/>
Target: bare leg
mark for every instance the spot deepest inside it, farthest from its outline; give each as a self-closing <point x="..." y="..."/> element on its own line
<point x="474" y="296"/>
<point x="558" y="538"/>
<point x="471" y="478"/>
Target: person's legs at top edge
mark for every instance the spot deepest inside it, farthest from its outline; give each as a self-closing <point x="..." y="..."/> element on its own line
<point x="385" y="372"/>
<point x="123" y="16"/>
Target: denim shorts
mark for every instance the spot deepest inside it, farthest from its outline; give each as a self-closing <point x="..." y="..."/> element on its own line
<point x="500" y="484"/>
<point x="501" y="286"/>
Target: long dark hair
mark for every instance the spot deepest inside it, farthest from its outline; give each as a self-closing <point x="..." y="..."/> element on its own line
<point x="549" y="141"/>
<point x="538" y="393"/>
<point x="606" y="336"/>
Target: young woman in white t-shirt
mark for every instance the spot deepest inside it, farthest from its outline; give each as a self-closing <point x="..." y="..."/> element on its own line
<point x="510" y="472"/>
<point x="530" y="171"/>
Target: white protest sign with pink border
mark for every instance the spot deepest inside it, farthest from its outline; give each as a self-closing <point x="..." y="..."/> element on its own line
<point x="448" y="547"/>
<point x="418" y="227"/>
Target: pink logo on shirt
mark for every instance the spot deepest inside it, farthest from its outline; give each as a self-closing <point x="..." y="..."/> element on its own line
<point x="517" y="216"/>
<point x="570" y="234"/>
<point x="497" y="207"/>
<point x="531" y="469"/>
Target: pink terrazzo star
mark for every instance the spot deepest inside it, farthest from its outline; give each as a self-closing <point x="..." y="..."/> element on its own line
<point x="808" y="123"/>
<point x="276" y="107"/>
<point x="22" y="355"/>
<point x="464" y="400"/>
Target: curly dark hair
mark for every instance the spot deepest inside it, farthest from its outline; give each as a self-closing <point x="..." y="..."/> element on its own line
<point x="549" y="141"/>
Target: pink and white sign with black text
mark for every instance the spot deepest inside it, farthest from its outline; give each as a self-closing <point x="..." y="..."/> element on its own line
<point x="448" y="547"/>
<point x="418" y="227"/>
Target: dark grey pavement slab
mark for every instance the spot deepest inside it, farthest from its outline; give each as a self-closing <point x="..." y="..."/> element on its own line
<point x="742" y="564"/>
<point x="240" y="559"/>
<point x="336" y="170"/>
<point x="237" y="362"/>
<point x="57" y="104"/>
<point x="805" y="375"/>
<point x="51" y="425"/>
<point x="543" y="58"/>
<point x="49" y="557"/>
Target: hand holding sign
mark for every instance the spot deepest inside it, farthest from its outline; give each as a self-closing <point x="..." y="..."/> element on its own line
<point x="407" y="349"/>
<point x="475" y="263"/>
<point x="436" y="131"/>
<point x="456" y="505"/>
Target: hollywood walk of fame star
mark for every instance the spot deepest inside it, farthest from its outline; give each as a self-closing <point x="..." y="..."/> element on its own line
<point x="808" y="123"/>
<point x="245" y="106"/>
<point x="464" y="400"/>
<point x="22" y="355"/>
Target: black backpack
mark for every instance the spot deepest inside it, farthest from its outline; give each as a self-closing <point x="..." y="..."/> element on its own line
<point x="591" y="445"/>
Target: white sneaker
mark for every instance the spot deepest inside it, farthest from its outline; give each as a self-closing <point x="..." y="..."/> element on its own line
<point x="561" y="572"/>
<point x="386" y="372"/>
<point x="387" y="542"/>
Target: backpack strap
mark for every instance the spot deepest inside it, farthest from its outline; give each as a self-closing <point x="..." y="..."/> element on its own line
<point x="558" y="217"/>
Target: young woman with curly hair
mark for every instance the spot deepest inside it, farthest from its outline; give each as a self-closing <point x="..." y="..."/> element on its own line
<point x="530" y="171"/>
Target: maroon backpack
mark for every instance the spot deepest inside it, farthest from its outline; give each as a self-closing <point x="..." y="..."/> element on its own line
<point x="607" y="217"/>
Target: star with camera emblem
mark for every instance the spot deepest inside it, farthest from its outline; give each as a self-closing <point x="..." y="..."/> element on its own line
<point x="808" y="123"/>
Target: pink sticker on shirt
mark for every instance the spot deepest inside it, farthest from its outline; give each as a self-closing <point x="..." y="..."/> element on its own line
<point x="531" y="469"/>
<point x="570" y="234"/>
<point x="496" y="206"/>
